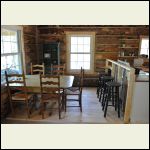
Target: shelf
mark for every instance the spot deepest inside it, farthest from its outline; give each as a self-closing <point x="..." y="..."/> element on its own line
<point x="128" y="47"/>
<point x="107" y="44"/>
<point x="127" y="56"/>
<point x="105" y="52"/>
<point x="116" y="35"/>
<point x="129" y="39"/>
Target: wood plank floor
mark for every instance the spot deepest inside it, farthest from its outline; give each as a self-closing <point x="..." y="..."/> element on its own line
<point x="92" y="113"/>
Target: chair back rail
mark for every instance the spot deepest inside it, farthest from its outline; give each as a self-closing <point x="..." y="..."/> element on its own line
<point x="40" y="69"/>
<point x="58" y="69"/>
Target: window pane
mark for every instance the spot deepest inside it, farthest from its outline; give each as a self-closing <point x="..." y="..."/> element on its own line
<point x="80" y="52"/>
<point x="13" y="36"/>
<point x="14" y="47"/>
<point x="73" y="65"/>
<point x="145" y="43"/>
<point x="16" y="60"/>
<point x="86" y="65"/>
<point x="3" y="62"/>
<point x="144" y="51"/>
<point x="2" y="49"/>
<point x="74" y="57"/>
<point x="6" y="35"/>
<point x="80" y="57"/>
<point x="79" y="65"/>
<point x="80" y="40"/>
<point x="17" y="68"/>
<point x="86" y="48"/>
<point x="87" y="40"/>
<point x="87" y="57"/>
<point x="74" y="40"/>
<point x="10" y="62"/>
<point x="7" y="47"/>
<point x="80" y="48"/>
<point x="9" y="44"/>
<point x="73" y="48"/>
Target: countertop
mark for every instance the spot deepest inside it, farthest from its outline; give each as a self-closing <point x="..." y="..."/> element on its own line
<point x="142" y="77"/>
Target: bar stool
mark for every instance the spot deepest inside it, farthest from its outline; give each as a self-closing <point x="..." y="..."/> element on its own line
<point x="100" y="82"/>
<point x="112" y="94"/>
<point x="102" y="91"/>
<point x="108" y="73"/>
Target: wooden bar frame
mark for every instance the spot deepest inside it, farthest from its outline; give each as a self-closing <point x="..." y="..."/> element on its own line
<point x="131" y="81"/>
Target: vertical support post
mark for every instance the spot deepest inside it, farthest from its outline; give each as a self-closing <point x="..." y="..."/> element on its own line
<point x="128" y="106"/>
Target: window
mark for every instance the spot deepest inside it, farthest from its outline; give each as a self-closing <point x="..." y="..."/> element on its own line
<point x="10" y="52"/>
<point x="80" y="52"/>
<point x="144" y="49"/>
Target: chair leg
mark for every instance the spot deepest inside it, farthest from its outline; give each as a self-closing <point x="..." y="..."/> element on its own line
<point x="42" y="110"/>
<point x="65" y="101"/>
<point x="59" y="108"/>
<point x="28" y="111"/>
<point x="118" y="102"/>
<point x="80" y="102"/>
<point x="106" y="103"/>
<point x="97" y="91"/>
<point x="100" y="94"/>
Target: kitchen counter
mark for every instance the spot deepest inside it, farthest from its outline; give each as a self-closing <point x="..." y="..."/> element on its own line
<point x="142" y="77"/>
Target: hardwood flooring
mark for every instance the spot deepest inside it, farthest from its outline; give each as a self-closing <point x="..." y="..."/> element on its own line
<point x="92" y="113"/>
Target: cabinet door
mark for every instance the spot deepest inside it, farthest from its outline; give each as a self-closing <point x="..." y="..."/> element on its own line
<point x="50" y="55"/>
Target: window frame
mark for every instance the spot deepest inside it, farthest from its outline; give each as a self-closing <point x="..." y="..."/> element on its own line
<point x="142" y="37"/>
<point x="92" y="49"/>
<point x="20" y="52"/>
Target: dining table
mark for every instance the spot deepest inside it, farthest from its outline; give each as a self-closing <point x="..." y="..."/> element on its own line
<point x="33" y="83"/>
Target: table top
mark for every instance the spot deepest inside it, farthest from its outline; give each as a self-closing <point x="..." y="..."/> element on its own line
<point x="34" y="81"/>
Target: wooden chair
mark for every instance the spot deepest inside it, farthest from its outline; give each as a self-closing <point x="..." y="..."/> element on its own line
<point x="76" y="91"/>
<point x="50" y="91"/>
<point x="37" y="69"/>
<point x="22" y="95"/>
<point x="58" y="69"/>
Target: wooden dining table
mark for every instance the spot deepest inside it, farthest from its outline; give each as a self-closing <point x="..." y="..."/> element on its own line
<point x="33" y="82"/>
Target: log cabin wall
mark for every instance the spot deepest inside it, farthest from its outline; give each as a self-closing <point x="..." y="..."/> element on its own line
<point x="30" y="45"/>
<point x="108" y="40"/>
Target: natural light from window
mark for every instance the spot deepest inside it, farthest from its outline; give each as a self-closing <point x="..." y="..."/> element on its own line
<point x="80" y="52"/>
<point x="144" y="47"/>
<point x="10" y="52"/>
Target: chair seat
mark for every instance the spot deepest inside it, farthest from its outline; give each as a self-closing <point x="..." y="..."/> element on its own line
<point x="113" y="84"/>
<point x="21" y="97"/>
<point x="107" y="78"/>
<point x="70" y="92"/>
<point x="48" y="97"/>
<point x="73" y="89"/>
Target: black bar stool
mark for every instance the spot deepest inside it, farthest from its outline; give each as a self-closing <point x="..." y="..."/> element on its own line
<point x="112" y="94"/>
<point x="100" y="83"/>
<point x="108" y="73"/>
<point x="102" y="91"/>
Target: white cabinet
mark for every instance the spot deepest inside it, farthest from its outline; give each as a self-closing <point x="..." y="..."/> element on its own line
<point x="140" y="103"/>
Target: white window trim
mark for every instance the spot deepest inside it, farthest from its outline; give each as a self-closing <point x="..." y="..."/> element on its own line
<point x="21" y="43"/>
<point x="68" y="42"/>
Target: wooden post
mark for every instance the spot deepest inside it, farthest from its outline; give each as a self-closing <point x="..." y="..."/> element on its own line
<point x="113" y="70"/>
<point x="119" y="73"/>
<point x="128" y="106"/>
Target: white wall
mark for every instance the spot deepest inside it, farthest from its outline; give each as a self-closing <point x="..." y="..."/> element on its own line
<point x="140" y="103"/>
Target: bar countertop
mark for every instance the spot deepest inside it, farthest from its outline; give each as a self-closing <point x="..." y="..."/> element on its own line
<point x="142" y="77"/>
